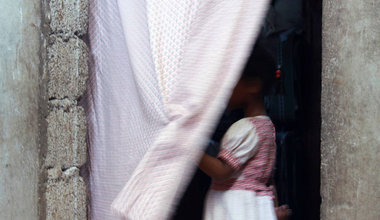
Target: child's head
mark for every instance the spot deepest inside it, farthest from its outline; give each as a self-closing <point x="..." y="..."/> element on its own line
<point x="257" y="78"/>
<point x="261" y="65"/>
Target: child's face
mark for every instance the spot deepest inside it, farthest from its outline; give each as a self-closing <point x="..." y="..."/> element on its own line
<point x="237" y="99"/>
<point x="243" y="92"/>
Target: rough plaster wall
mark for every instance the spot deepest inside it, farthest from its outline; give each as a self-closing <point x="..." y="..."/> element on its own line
<point x="350" y="166"/>
<point x="19" y="92"/>
<point x="66" y="68"/>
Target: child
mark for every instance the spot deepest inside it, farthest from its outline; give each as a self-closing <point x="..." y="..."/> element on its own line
<point x="245" y="163"/>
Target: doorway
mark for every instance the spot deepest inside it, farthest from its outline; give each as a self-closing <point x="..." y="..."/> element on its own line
<point x="295" y="112"/>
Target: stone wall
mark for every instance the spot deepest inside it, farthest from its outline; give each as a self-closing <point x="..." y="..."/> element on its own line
<point x="65" y="70"/>
<point x="350" y="146"/>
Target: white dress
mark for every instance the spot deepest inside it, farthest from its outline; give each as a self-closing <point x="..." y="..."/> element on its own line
<point x="248" y="146"/>
<point x="238" y="205"/>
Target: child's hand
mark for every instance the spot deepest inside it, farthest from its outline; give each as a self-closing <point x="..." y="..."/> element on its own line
<point x="283" y="212"/>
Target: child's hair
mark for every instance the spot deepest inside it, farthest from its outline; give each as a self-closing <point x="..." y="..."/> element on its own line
<point x="261" y="64"/>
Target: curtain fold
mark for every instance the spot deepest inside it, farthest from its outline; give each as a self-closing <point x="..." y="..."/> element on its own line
<point x="161" y="73"/>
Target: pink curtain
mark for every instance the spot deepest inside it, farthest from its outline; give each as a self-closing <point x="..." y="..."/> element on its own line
<point x="161" y="74"/>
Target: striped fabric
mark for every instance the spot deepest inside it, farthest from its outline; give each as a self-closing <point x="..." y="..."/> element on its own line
<point x="255" y="173"/>
<point x="161" y="72"/>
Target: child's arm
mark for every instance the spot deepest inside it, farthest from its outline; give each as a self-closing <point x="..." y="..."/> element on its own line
<point x="273" y="184"/>
<point x="282" y="212"/>
<point x="215" y="168"/>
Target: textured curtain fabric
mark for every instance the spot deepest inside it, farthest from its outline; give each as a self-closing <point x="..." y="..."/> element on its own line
<point x="161" y="74"/>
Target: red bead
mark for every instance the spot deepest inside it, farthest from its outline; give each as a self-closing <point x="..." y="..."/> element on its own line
<point x="278" y="73"/>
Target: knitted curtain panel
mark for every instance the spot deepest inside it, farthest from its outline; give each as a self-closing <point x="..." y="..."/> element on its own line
<point x="161" y="74"/>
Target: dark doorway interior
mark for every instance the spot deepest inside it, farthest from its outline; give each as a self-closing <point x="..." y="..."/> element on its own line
<point x="309" y="199"/>
<point x="295" y="111"/>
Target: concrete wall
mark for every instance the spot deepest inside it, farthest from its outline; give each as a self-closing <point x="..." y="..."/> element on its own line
<point x="43" y="73"/>
<point x="350" y="166"/>
<point x="65" y="58"/>
<point x="19" y="97"/>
